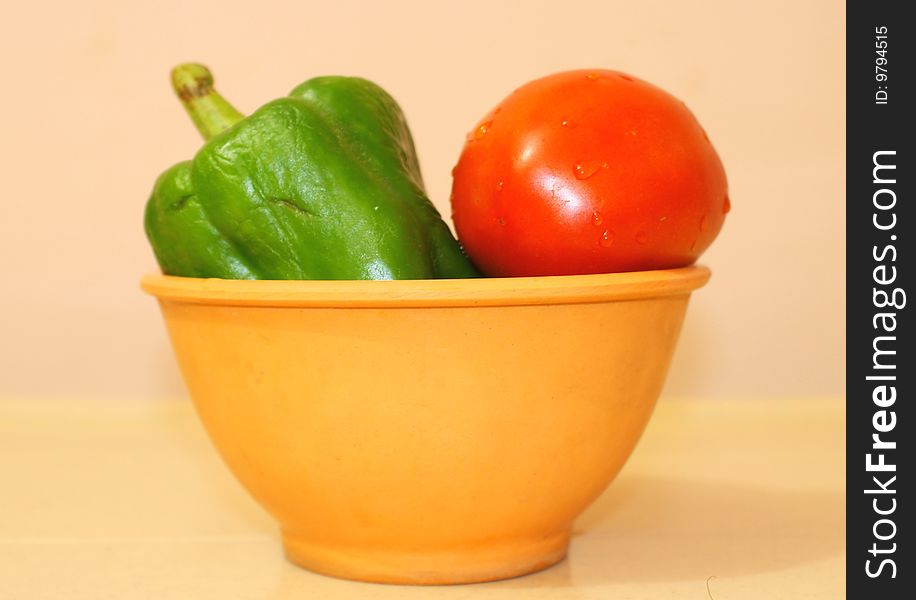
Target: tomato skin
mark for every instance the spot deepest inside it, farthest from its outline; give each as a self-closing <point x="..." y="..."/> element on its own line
<point x="589" y="171"/>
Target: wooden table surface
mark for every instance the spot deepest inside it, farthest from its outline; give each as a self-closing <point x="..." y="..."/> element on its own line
<point x="126" y="499"/>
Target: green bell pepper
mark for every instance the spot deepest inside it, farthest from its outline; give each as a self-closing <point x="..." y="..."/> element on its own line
<point x="322" y="184"/>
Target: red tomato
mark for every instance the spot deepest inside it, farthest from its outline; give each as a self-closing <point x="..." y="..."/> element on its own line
<point x="587" y="172"/>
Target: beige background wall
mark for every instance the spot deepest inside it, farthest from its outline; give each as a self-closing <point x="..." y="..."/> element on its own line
<point x="88" y="121"/>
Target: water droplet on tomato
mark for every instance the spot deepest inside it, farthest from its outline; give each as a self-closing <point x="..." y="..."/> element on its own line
<point x="606" y="239"/>
<point x="641" y="237"/>
<point x="704" y="223"/>
<point x="662" y="219"/>
<point x="482" y="129"/>
<point x="625" y="77"/>
<point x="592" y="76"/>
<point x="568" y="123"/>
<point x="726" y="205"/>
<point x="586" y="168"/>
<point x="597" y="219"/>
<point x="499" y="186"/>
<point x="693" y="245"/>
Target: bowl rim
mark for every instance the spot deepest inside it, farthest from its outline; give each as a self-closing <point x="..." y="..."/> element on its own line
<point x="405" y="293"/>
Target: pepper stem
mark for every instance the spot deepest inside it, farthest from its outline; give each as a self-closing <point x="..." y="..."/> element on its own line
<point x="211" y="113"/>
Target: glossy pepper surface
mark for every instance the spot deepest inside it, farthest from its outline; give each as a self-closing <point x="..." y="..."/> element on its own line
<point x="321" y="184"/>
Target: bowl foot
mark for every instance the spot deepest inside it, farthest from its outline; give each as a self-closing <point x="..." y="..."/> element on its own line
<point x="466" y="563"/>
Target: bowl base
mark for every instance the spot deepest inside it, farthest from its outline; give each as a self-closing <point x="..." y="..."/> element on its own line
<point x="468" y="563"/>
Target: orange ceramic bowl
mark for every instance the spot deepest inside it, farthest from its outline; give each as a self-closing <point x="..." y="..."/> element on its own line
<point x="427" y="432"/>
